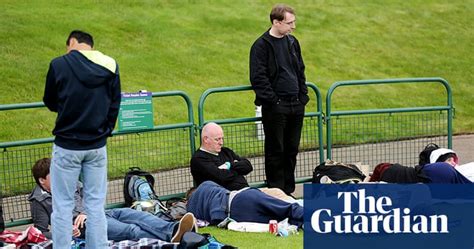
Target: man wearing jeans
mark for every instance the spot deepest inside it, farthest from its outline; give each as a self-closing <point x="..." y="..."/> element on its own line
<point x="122" y="223"/>
<point x="83" y="87"/>
<point x="278" y="79"/>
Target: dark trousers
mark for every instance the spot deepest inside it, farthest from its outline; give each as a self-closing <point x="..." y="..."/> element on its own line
<point x="252" y="205"/>
<point x="2" y="223"/>
<point x="282" y="123"/>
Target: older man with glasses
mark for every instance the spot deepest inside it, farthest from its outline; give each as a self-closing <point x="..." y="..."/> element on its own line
<point x="213" y="162"/>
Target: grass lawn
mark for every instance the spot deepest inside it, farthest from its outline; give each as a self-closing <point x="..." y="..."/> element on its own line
<point x="193" y="45"/>
<point x="255" y="240"/>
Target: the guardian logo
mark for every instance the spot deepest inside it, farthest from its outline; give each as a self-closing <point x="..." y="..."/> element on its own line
<point x="373" y="215"/>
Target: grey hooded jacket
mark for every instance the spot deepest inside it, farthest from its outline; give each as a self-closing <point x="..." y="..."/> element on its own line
<point x="41" y="207"/>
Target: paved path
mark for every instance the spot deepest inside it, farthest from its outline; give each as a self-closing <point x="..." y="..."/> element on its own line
<point x="464" y="147"/>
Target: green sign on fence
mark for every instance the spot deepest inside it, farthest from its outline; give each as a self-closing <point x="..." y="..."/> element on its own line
<point x="136" y="111"/>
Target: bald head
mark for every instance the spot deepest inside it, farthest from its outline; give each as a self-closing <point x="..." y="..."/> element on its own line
<point x="212" y="138"/>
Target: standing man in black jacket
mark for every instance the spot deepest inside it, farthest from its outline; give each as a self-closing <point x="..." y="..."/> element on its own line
<point x="83" y="87"/>
<point x="2" y="222"/>
<point x="278" y="79"/>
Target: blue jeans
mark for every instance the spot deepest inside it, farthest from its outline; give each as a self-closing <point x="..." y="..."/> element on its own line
<point x="130" y="224"/>
<point x="66" y="166"/>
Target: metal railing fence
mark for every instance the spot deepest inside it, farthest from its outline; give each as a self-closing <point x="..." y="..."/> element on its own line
<point x="369" y="136"/>
<point x="396" y="135"/>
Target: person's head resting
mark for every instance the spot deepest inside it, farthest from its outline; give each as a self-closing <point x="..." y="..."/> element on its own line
<point x="444" y="155"/>
<point x="432" y="153"/>
<point x="79" y="40"/>
<point x="283" y="20"/>
<point x="212" y="138"/>
<point x="40" y="171"/>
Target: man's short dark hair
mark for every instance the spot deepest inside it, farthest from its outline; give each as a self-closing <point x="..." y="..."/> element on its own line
<point x="278" y="12"/>
<point x="81" y="37"/>
<point x="445" y="157"/>
<point x="41" y="169"/>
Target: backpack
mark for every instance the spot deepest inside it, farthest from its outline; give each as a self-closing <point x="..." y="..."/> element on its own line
<point x="138" y="186"/>
<point x="337" y="173"/>
<point x="424" y="157"/>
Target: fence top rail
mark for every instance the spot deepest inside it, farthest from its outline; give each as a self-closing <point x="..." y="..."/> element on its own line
<point x="388" y="81"/>
<point x="21" y="106"/>
<point x="41" y="104"/>
<point x="210" y="91"/>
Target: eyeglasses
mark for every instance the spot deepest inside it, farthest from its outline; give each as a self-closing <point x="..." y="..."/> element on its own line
<point x="289" y="23"/>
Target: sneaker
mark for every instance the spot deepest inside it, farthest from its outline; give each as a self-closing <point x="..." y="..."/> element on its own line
<point x="186" y="224"/>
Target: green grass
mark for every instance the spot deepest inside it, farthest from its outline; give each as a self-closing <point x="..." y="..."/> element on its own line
<point x="255" y="240"/>
<point x="195" y="45"/>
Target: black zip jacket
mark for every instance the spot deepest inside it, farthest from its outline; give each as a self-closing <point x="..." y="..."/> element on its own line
<point x="205" y="167"/>
<point x="83" y="87"/>
<point x="264" y="69"/>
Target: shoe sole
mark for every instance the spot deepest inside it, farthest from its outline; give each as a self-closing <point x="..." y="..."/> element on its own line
<point x="186" y="224"/>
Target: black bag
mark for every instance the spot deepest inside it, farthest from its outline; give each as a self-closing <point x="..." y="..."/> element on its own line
<point x="192" y="240"/>
<point x="424" y="157"/>
<point x="133" y="183"/>
<point x="338" y="172"/>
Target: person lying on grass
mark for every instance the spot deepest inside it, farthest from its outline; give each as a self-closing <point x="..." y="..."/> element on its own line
<point x="439" y="172"/>
<point x="122" y="223"/>
<point x="213" y="203"/>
